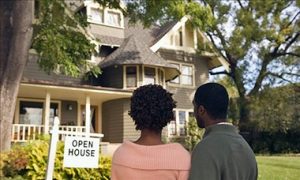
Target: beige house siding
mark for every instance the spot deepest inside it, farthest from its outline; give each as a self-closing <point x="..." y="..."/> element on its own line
<point x="117" y="124"/>
<point x="129" y="128"/>
<point x="112" y="121"/>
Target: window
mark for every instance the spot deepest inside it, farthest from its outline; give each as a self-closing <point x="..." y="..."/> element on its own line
<point x="161" y="77"/>
<point x="96" y="15"/>
<point x="149" y="76"/>
<point x="31" y="112"/>
<point x="131" y="76"/>
<point x="176" y="80"/>
<point x="187" y="74"/>
<point x="182" y="122"/>
<point x="180" y="38"/>
<point x="113" y="18"/>
<point x="178" y="126"/>
<point x="172" y="125"/>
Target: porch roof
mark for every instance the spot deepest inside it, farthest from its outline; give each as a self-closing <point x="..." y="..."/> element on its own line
<point x="71" y="92"/>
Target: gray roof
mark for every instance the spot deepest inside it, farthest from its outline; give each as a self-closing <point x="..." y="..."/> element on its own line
<point x="109" y="39"/>
<point x="135" y="51"/>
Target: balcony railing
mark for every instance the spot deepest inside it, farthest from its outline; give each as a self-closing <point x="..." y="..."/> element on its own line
<point x="27" y="132"/>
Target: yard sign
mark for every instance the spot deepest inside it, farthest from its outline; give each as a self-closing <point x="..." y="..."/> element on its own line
<point x="81" y="152"/>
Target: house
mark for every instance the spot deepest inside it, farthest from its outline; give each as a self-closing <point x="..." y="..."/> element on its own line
<point x="129" y="56"/>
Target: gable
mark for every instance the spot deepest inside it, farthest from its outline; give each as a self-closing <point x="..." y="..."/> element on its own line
<point x="183" y="37"/>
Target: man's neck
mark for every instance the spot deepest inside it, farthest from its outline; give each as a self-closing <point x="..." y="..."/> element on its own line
<point x="211" y="122"/>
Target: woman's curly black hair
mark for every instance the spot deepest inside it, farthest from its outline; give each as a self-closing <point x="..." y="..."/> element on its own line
<point x="151" y="107"/>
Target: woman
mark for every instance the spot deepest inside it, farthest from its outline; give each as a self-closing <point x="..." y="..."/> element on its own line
<point x="149" y="158"/>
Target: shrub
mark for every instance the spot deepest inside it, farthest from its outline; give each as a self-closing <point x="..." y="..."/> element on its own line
<point x="30" y="161"/>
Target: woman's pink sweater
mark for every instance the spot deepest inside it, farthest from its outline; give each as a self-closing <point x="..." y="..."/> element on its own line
<point x="159" y="162"/>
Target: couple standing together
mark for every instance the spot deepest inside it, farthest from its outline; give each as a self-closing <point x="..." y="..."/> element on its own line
<point x="221" y="155"/>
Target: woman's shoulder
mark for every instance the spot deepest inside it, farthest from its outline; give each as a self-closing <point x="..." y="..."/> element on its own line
<point x="180" y="151"/>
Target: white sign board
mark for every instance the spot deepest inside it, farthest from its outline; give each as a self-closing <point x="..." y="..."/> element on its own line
<point x="81" y="152"/>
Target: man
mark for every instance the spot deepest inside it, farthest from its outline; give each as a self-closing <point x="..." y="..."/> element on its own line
<point x="222" y="154"/>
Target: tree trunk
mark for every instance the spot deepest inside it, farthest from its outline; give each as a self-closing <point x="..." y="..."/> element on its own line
<point x="15" y="40"/>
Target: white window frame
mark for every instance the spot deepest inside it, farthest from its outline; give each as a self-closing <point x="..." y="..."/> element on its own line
<point x="178" y="125"/>
<point x="180" y="76"/>
<point x="156" y="75"/>
<point x="89" y="14"/>
<point x="17" y="115"/>
<point x="105" y="11"/>
<point x="125" y="76"/>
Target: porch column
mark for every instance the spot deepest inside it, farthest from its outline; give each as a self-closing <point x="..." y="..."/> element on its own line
<point x="100" y="118"/>
<point x="195" y="39"/>
<point x="79" y="114"/>
<point x="87" y="114"/>
<point x="47" y="113"/>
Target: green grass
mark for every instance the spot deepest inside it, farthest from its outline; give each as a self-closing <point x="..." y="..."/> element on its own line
<point x="278" y="167"/>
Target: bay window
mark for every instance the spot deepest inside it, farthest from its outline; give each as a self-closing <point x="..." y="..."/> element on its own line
<point x="149" y="75"/>
<point x="131" y="76"/>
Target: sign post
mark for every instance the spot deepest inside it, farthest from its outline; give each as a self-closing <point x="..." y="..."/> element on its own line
<point x="81" y="149"/>
<point x="52" y="149"/>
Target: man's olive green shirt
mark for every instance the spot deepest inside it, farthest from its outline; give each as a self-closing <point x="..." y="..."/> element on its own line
<point x="223" y="154"/>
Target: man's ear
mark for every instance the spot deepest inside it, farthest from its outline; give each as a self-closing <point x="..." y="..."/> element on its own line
<point x="201" y="110"/>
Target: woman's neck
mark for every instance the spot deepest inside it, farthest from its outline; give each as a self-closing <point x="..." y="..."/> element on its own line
<point x="149" y="138"/>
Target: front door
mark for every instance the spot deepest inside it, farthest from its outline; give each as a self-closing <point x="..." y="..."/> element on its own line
<point x="94" y="118"/>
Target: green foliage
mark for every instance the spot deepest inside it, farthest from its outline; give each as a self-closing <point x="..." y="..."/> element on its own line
<point x="60" y="40"/>
<point x="30" y="161"/>
<point x="194" y="134"/>
<point x="276" y="109"/>
<point x="150" y="11"/>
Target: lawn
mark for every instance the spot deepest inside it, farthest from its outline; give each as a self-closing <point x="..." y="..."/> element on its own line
<point x="278" y="167"/>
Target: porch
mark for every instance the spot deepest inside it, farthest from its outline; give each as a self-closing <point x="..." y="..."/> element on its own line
<point x="79" y="108"/>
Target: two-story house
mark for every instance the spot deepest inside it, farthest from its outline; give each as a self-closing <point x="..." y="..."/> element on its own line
<point x="129" y="56"/>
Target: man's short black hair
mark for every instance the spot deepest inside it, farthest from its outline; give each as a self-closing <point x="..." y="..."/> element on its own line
<point x="214" y="98"/>
<point x="151" y="107"/>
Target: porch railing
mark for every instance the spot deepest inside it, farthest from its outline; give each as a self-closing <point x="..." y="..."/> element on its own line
<point x="27" y="132"/>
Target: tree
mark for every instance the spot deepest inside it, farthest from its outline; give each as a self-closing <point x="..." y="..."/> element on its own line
<point x="59" y="38"/>
<point x="258" y="38"/>
<point x="282" y="115"/>
<point x="15" y="38"/>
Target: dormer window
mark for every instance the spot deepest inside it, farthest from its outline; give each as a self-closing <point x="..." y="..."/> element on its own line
<point x="104" y="16"/>
<point x="96" y="15"/>
<point x="113" y="18"/>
